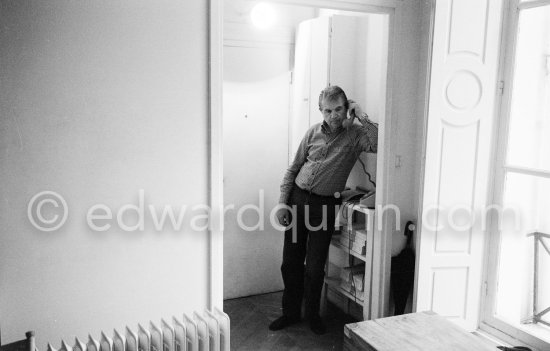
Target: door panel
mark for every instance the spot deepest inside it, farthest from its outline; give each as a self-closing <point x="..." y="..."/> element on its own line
<point x="456" y="175"/>
<point x="300" y="87"/>
<point x="318" y="78"/>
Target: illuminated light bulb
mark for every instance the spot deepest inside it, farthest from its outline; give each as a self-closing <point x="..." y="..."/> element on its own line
<point x="263" y="15"/>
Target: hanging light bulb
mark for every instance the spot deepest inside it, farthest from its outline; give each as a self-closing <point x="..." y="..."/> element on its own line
<point x="263" y="15"/>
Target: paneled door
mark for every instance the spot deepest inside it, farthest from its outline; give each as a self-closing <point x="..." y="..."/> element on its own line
<point x="463" y="89"/>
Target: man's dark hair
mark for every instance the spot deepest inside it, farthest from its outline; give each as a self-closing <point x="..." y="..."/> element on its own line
<point x="333" y="93"/>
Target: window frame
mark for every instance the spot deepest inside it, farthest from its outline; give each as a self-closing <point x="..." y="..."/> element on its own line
<point x="489" y="322"/>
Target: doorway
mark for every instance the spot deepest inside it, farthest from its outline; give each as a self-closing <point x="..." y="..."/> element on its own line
<point x="259" y="86"/>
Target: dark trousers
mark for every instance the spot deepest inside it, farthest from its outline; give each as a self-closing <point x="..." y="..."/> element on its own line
<point x="305" y="281"/>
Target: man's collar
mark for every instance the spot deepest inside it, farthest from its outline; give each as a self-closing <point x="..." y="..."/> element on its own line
<point x="325" y="128"/>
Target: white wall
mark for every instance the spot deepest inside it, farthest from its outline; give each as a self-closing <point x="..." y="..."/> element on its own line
<point x="256" y="92"/>
<point x="255" y="116"/>
<point x="370" y="90"/>
<point x="375" y="53"/>
<point x="100" y="99"/>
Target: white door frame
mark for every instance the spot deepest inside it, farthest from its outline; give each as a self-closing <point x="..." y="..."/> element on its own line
<point x="385" y="168"/>
<point x="425" y="106"/>
<point x="215" y="153"/>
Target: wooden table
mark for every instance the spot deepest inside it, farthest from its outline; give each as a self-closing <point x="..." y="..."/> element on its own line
<point x="423" y="331"/>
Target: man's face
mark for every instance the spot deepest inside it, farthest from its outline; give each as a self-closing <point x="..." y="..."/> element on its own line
<point x="334" y="112"/>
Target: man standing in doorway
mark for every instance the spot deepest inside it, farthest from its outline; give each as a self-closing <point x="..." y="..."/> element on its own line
<point x="311" y="186"/>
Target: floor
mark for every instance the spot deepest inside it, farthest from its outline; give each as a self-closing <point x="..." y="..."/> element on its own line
<point x="250" y="317"/>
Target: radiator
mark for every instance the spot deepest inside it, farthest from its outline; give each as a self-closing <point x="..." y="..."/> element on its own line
<point x="201" y="332"/>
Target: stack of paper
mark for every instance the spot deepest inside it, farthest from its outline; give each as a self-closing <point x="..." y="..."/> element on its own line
<point x="354" y="240"/>
<point x="352" y="280"/>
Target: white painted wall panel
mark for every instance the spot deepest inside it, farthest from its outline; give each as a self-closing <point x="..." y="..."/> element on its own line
<point x="100" y="99"/>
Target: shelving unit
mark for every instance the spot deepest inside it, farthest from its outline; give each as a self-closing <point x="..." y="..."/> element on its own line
<point x="334" y="283"/>
<point x="341" y="256"/>
<point x="337" y="244"/>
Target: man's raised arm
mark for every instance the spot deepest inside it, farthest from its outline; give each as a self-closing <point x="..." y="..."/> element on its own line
<point x="368" y="138"/>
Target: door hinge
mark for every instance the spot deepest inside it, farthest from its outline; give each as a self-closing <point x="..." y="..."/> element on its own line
<point x="486" y="288"/>
<point x="501" y="87"/>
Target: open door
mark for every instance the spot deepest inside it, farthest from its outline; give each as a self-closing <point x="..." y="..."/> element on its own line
<point x="463" y="89"/>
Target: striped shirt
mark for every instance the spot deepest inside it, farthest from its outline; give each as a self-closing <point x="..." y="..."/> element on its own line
<point x="324" y="159"/>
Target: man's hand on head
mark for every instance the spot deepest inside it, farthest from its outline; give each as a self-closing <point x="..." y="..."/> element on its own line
<point x="354" y="109"/>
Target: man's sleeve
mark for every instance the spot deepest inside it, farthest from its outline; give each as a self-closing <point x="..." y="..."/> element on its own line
<point x="368" y="135"/>
<point x="293" y="170"/>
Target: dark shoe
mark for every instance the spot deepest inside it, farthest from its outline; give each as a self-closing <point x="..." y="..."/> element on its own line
<point x="317" y="326"/>
<point x="283" y="322"/>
